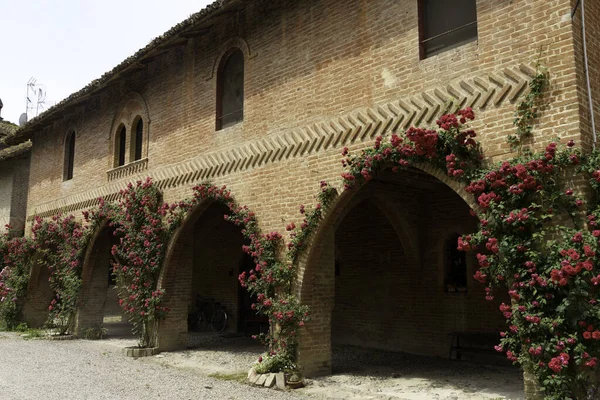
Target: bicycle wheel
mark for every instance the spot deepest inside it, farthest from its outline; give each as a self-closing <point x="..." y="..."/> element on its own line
<point x="218" y="322"/>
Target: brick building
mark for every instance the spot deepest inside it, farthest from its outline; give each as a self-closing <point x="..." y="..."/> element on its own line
<point x="262" y="95"/>
<point x="14" y="177"/>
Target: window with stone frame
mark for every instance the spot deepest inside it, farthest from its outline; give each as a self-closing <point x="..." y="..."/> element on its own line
<point x="445" y="24"/>
<point x="230" y="89"/>
<point x="455" y="268"/>
<point x="69" y="159"/>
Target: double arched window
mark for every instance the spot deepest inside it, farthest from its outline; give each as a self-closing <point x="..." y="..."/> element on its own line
<point x="230" y="89"/>
<point x="135" y="143"/>
<point x="69" y="159"/>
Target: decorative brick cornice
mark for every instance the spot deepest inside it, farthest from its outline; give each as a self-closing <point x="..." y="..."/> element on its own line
<point x="480" y="92"/>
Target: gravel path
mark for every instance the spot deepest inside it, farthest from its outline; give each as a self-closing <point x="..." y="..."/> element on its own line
<point x="80" y="369"/>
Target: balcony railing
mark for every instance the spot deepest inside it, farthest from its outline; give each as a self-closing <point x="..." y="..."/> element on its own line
<point x="127" y="170"/>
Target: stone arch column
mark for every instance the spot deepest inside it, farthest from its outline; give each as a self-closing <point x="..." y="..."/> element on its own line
<point x="39" y="294"/>
<point x="95" y="284"/>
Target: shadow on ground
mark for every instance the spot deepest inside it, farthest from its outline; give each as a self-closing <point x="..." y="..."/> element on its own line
<point x="360" y="373"/>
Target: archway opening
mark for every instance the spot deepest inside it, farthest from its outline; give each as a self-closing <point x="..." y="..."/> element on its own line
<point x="217" y="254"/>
<point x="387" y="288"/>
<point x="99" y="313"/>
<point x="204" y="260"/>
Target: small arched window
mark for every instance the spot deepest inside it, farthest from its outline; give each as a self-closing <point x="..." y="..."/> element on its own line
<point x="69" y="162"/>
<point x="139" y="140"/>
<point x="230" y="89"/>
<point x="455" y="279"/>
<point x="121" y="140"/>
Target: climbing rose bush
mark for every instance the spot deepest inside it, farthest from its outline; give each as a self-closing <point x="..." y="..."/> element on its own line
<point x="61" y="243"/>
<point x="537" y="239"/>
<point x="139" y="221"/>
<point x="15" y="253"/>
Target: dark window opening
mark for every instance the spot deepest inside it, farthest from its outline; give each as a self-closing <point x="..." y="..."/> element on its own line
<point x="139" y="138"/>
<point x="456" y="266"/>
<point x="230" y="90"/>
<point x="69" y="157"/>
<point x="122" y="139"/>
<point x="445" y="24"/>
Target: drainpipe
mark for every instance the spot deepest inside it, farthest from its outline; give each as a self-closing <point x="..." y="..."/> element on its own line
<point x="587" y="69"/>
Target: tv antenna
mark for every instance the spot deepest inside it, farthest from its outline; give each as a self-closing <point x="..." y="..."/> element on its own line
<point x="35" y="99"/>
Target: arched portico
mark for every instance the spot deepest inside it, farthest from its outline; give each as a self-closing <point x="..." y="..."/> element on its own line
<point x="374" y="273"/>
<point x="204" y="257"/>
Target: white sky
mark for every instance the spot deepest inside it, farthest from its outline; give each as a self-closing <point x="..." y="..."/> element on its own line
<point x="65" y="44"/>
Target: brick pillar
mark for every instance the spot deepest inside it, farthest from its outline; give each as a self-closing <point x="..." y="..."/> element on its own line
<point x="38" y="298"/>
<point x="314" y="352"/>
<point x="177" y="283"/>
<point x="90" y="310"/>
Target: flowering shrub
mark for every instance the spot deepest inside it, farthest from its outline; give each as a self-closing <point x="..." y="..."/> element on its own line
<point x="451" y="148"/>
<point x="139" y="222"/>
<point x="14" y="274"/>
<point x="300" y="234"/>
<point x="61" y="243"/>
<point x="532" y="226"/>
<point x="541" y="242"/>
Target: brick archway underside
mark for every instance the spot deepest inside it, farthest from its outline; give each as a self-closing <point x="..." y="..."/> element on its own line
<point x="203" y="258"/>
<point x="374" y="275"/>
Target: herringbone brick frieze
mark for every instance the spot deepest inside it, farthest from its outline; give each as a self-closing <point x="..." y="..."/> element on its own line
<point x="480" y="92"/>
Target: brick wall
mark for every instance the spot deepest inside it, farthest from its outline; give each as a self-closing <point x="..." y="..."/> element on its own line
<point x="320" y="66"/>
<point x="96" y="270"/>
<point x="38" y="298"/>
<point x="592" y="22"/>
<point x="14" y="185"/>
<point x="320" y="75"/>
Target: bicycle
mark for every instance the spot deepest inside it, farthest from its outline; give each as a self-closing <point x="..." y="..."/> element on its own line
<point x="209" y="313"/>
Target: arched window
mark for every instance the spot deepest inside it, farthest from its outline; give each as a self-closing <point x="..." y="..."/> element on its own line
<point x="230" y="89"/>
<point x="69" y="157"/>
<point x="455" y="279"/>
<point x="139" y="140"/>
<point x="121" y="140"/>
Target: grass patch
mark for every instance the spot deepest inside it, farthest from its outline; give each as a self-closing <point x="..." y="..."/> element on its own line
<point x="32" y="334"/>
<point x="236" y="377"/>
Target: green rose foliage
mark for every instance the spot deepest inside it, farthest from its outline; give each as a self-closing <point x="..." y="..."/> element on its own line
<point x="15" y="265"/>
<point x="61" y="243"/>
<point x="139" y="221"/>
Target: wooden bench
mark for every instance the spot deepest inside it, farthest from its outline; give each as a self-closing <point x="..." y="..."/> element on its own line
<point x="473" y="343"/>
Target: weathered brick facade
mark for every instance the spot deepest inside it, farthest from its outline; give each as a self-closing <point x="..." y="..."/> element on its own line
<point x="14" y="179"/>
<point x="319" y="75"/>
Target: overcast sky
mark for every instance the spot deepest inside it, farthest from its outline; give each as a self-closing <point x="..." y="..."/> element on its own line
<point x="65" y="44"/>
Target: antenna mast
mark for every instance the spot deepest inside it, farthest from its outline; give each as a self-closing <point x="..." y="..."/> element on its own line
<point x="35" y="99"/>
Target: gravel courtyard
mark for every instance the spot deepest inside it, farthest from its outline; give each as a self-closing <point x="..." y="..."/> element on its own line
<point x="83" y="369"/>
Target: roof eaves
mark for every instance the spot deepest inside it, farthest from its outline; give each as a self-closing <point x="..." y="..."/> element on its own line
<point x="211" y="10"/>
<point x="15" y="151"/>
